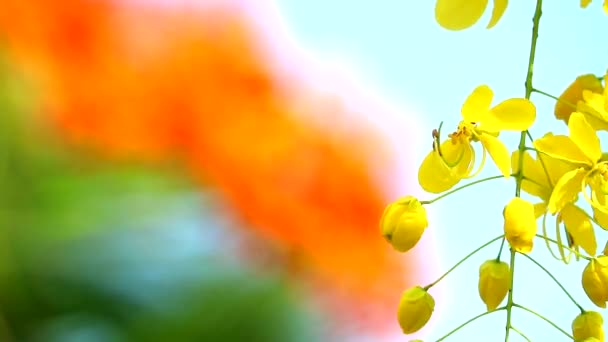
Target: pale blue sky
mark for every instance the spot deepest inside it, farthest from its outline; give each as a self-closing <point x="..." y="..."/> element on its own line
<point x="398" y="49"/>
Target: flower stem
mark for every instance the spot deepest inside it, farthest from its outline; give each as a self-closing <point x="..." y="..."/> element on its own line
<point x="555" y="280"/>
<point x="562" y="246"/>
<point x="502" y="244"/>
<point x="521" y="334"/>
<point x="544" y="319"/>
<point x="461" y="261"/>
<point x="467" y="322"/>
<point x="510" y="303"/>
<point x="460" y="188"/>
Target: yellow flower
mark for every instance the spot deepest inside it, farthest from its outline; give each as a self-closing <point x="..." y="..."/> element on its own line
<point x="520" y="224"/>
<point x="453" y="160"/>
<point x="541" y="176"/>
<point x="588" y="324"/>
<point x="585" y="3"/>
<point x="494" y="282"/>
<point x="594" y="105"/>
<point x="457" y="15"/>
<point x="403" y="223"/>
<point x="569" y="99"/>
<point x="595" y="280"/>
<point x="582" y="150"/>
<point x="415" y="309"/>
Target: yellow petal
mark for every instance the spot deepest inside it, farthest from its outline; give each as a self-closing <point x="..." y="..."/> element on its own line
<point x="566" y="189"/>
<point x="561" y="147"/>
<point x="511" y="115"/>
<point x="434" y="176"/>
<point x="457" y="15"/>
<point x="540" y="209"/>
<point x="499" y="9"/>
<point x="535" y="182"/>
<point x="600" y="216"/>
<point x="584" y="137"/>
<point x="568" y="100"/>
<point x="498" y="151"/>
<point x="585" y="3"/>
<point x="580" y="227"/>
<point x="477" y="104"/>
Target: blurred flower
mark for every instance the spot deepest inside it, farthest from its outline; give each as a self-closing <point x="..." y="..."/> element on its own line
<point x="403" y="223"/>
<point x="569" y="99"/>
<point x="194" y="86"/>
<point x="461" y="14"/>
<point x="520" y="224"/>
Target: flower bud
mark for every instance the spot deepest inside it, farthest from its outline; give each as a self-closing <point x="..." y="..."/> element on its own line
<point x="494" y="282"/>
<point x="415" y="309"/>
<point x="595" y="280"/>
<point x="587" y="325"/>
<point x="520" y="224"/>
<point x="403" y="223"/>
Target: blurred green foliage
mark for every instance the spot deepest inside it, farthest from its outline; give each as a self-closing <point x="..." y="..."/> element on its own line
<point x="99" y="251"/>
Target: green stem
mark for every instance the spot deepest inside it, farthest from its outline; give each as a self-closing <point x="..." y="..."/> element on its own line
<point x="460" y="188"/>
<point x="502" y="244"/>
<point x="521" y="148"/>
<point x="461" y="261"/>
<point x="510" y="303"/>
<point x="565" y="247"/>
<point x="521" y="334"/>
<point x="467" y="322"/>
<point x="544" y="319"/>
<point x="555" y="280"/>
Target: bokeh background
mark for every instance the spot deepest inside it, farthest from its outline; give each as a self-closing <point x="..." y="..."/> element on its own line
<point x="215" y="170"/>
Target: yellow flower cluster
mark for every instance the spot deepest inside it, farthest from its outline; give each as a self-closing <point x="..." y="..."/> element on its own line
<point x="568" y="174"/>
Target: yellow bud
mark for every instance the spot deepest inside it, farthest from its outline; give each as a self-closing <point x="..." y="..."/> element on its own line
<point x="494" y="282"/>
<point x="415" y="309"/>
<point x="587" y="325"/>
<point x="403" y="223"/>
<point x="595" y="280"/>
<point x="520" y="224"/>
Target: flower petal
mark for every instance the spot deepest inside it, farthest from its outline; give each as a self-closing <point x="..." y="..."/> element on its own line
<point x="457" y="15"/>
<point x="535" y="182"/>
<point x="584" y="137"/>
<point x="569" y="99"/>
<point x="561" y="147"/>
<point x="585" y="3"/>
<point x="566" y="189"/>
<point x="600" y="216"/>
<point x="477" y="104"/>
<point x="499" y="9"/>
<point x="540" y="209"/>
<point x="498" y="151"/>
<point x="511" y="115"/>
<point x="434" y="175"/>
<point x="579" y="226"/>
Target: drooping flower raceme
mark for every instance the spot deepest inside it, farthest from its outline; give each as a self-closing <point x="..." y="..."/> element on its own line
<point x="454" y="159"/>
<point x="588" y="324"/>
<point x="595" y="280"/>
<point x="403" y="223"/>
<point x="494" y="282"/>
<point x="520" y="224"/>
<point x="457" y="15"/>
<point x="415" y="309"/>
